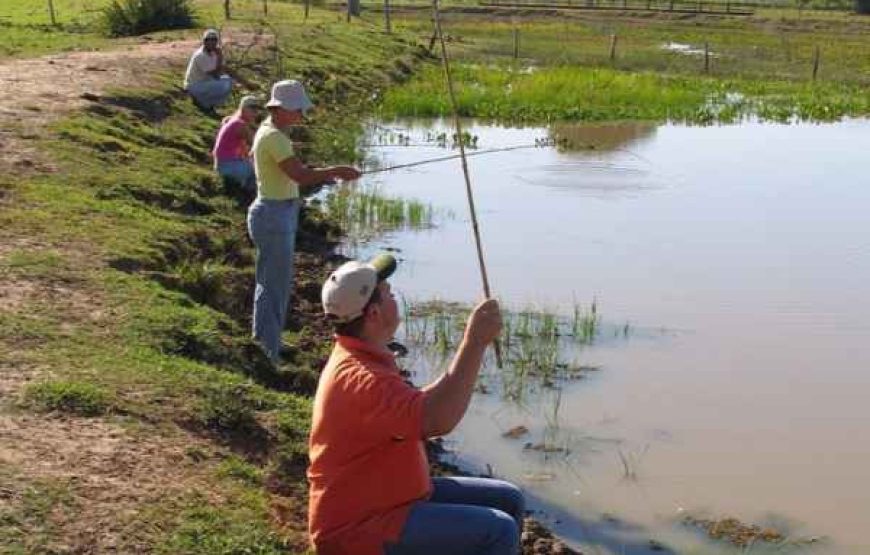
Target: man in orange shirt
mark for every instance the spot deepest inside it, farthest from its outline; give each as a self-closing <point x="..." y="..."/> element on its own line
<point x="370" y="490"/>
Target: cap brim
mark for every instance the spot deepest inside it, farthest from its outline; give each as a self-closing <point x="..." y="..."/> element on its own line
<point x="384" y="265"/>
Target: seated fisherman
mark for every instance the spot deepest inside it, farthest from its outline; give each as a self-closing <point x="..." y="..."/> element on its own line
<point x="205" y="80"/>
<point x="370" y="489"/>
<point x="232" y="147"/>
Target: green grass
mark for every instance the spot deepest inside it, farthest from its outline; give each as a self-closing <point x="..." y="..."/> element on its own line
<point x="235" y="467"/>
<point x="539" y="346"/>
<point x="586" y="94"/>
<point x="760" y="66"/>
<point x="363" y="212"/>
<point x="28" y="521"/>
<point x="756" y="48"/>
<point x="151" y="253"/>
<point x="79" y="398"/>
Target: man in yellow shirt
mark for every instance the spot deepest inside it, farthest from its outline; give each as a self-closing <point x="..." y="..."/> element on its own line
<point x="274" y="216"/>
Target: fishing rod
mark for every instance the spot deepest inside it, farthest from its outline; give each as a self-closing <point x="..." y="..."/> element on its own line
<point x="458" y="125"/>
<point x="448" y="157"/>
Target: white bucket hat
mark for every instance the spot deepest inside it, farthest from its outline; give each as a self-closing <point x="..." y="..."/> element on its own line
<point x="349" y="288"/>
<point x="289" y="95"/>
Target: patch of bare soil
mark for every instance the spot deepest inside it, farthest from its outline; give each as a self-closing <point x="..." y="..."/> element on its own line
<point x="111" y="474"/>
<point x="34" y="92"/>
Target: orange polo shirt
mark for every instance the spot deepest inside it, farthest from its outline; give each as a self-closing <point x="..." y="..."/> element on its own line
<point x="368" y="462"/>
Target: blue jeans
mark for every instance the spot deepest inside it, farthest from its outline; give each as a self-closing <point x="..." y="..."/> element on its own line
<point x="211" y="92"/>
<point x="272" y="227"/>
<point x="239" y="170"/>
<point x="464" y="516"/>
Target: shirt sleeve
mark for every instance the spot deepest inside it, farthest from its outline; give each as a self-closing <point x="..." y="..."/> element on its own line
<point x="387" y="408"/>
<point x="279" y="147"/>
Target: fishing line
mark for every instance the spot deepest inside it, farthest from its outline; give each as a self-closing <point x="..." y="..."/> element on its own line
<point x="458" y="125"/>
<point x="448" y="157"/>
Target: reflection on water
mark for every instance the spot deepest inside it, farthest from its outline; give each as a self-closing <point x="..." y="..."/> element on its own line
<point x="739" y="256"/>
<point x="575" y="136"/>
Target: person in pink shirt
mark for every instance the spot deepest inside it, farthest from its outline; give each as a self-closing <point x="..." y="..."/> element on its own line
<point x="233" y="144"/>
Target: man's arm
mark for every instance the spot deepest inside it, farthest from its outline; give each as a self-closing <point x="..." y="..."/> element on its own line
<point x="219" y="68"/>
<point x="447" y="399"/>
<point x="311" y="177"/>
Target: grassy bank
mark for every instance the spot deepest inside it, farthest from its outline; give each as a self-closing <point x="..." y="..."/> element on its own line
<point x="127" y="284"/>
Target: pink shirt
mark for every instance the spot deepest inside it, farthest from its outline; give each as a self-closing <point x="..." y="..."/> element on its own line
<point x="230" y="143"/>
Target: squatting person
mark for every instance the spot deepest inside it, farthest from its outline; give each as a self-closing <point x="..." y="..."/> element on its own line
<point x="232" y="146"/>
<point x="274" y="215"/>
<point x="205" y="79"/>
<point x="370" y="489"/>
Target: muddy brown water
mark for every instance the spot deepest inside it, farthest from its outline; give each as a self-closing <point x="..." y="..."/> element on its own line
<point x="740" y="257"/>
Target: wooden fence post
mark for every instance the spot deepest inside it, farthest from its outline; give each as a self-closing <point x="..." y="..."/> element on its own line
<point x="51" y="13"/>
<point x="816" y="56"/>
<point x="613" y="40"/>
<point x="227" y="14"/>
<point x="387" y="16"/>
<point x="307" y="8"/>
<point x="516" y="42"/>
<point x="706" y="57"/>
<point x="265" y="7"/>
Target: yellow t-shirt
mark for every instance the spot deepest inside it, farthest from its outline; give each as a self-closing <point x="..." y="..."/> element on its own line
<point x="271" y="147"/>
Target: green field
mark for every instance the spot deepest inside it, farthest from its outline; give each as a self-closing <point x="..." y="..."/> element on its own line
<point x="586" y="66"/>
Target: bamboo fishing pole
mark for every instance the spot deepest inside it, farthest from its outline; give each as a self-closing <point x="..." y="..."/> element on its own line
<point x="460" y="137"/>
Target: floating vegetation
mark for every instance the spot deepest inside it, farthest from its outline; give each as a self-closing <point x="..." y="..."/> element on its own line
<point x="364" y="211"/>
<point x="452" y="140"/>
<point x="534" y="342"/>
<point x="516" y="432"/>
<point x="736" y="532"/>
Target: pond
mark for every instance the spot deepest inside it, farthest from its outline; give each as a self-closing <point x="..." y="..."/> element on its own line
<point x="729" y="268"/>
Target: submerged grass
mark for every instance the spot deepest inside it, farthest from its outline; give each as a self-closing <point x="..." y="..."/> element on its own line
<point x="364" y="211"/>
<point x="539" y="346"/>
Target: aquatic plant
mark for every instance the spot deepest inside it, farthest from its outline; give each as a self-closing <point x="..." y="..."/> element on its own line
<point x="601" y="94"/>
<point x="536" y="343"/>
<point x="364" y="211"/>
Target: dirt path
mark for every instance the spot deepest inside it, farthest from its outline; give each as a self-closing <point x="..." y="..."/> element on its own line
<point x="34" y="92"/>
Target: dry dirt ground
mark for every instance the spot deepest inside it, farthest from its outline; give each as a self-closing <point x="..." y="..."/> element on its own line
<point x="34" y="92"/>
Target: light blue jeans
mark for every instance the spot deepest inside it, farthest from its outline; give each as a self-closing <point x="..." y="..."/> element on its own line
<point x="239" y="170"/>
<point x="272" y="226"/>
<point x="211" y="92"/>
<point x="464" y="516"/>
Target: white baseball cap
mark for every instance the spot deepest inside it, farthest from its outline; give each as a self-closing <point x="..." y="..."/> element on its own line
<point x="289" y="95"/>
<point x="210" y="34"/>
<point x="348" y="289"/>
